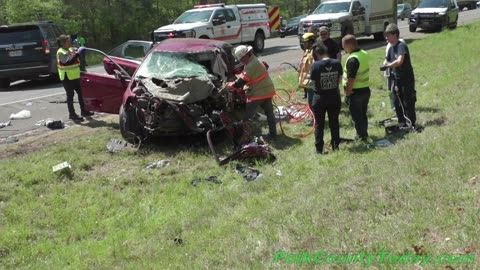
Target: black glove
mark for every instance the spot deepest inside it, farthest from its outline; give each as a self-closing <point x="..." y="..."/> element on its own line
<point x="383" y="68"/>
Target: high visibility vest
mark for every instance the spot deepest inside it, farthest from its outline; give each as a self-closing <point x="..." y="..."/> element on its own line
<point x="260" y="84"/>
<point x="362" y="78"/>
<point x="72" y="71"/>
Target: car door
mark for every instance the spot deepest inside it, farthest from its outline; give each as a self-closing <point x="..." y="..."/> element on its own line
<point x="103" y="92"/>
<point x="128" y="55"/>
<point x="225" y="26"/>
<point x="453" y="11"/>
<point x="358" y="13"/>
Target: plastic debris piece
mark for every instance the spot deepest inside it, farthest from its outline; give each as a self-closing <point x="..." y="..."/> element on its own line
<point x="278" y="173"/>
<point x="62" y="166"/>
<point x="383" y="143"/>
<point x="2" y="125"/>
<point x="249" y="174"/>
<point x="29" y="103"/>
<point x="213" y="179"/>
<point x="115" y="145"/>
<point x="51" y="123"/>
<point x="24" y="114"/>
<point x="158" y="164"/>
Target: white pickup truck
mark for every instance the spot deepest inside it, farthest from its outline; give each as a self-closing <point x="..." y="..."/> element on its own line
<point x="356" y="17"/>
<point x="233" y="24"/>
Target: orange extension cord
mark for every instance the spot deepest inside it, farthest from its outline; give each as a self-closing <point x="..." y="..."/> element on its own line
<point x="301" y="110"/>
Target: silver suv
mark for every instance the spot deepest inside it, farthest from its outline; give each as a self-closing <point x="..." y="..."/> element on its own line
<point x="28" y="50"/>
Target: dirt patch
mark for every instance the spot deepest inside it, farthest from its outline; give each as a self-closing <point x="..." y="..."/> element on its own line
<point x="41" y="138"/>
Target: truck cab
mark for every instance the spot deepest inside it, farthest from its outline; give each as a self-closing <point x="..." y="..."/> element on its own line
<point x="356" y="17"/>
<point x="233" y="24"/>
<point x="434" y="14"/>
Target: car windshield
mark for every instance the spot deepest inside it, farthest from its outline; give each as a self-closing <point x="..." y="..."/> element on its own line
<point x="166" y="65"/>
<point x="293" y="21"/>
<point x="433" y="4"/>
<point x="400" y="7"/>
<point x="332" y="8"/>
<point x="194" y="16"/>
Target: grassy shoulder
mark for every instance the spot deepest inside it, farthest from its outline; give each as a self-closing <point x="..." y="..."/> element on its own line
<point x="419" y="196"/>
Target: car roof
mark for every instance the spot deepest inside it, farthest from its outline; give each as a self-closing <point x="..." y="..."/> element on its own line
<point x="29" y="23"/>
<point x="190" y="45"/>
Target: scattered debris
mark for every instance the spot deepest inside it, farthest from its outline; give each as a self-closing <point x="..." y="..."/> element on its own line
<point x="158" y="164"/>
<point x="8" y="140"/>
<point x="383" y="143"/>
<point x="115" y="145"/>
<point x="178" y="241"/>
<point x="24" y="114"/>
<point x="213" y="179"/>
<point x="2" y="125"/>
<point x="424" y="84"/>
<point x="51" y="123"/>
<point x="29" y="103"/>
<point x="278" y="173"/>
<point x="249" y="174"/>
<point x="62" y="166"/>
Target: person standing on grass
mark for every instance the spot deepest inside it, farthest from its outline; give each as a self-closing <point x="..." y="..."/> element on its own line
<point x="402" y="77"/>
<point x="333" y="49"/>
<point x="326" y="76"/>
<point x="68" y="65"/>
<point x="259" y="89"/>
<point x="356" y="85"/>
<point x="305" y="66"/>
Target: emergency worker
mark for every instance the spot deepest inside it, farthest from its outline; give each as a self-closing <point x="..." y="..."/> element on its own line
<point x="258" y="86"/>
<point x="402" y="77"/>
<point x="305" y="66"/>
<point x="356" y="85"/>
<point x="333" y="49"/>
<point x="326" y="76"/>
<point x="68" y="65"/>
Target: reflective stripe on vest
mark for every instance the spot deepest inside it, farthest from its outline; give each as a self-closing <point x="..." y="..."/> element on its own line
<point x="72" y="71"/>
<point x="363" y="72"/>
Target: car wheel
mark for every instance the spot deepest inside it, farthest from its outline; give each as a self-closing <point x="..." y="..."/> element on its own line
<point x="259" y="42"/>
<point x="4" y="83"/>
<point x="129" y="126"/>
<point x="204" y="37"/>
<point x="412" y="28"/>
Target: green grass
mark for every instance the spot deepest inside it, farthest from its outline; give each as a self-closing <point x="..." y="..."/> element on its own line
<point x="416" y="196"/>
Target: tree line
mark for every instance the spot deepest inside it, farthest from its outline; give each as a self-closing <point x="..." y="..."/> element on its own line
<point x="105" y="23"/>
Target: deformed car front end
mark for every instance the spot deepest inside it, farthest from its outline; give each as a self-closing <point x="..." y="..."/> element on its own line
<point x="178" y="89"/>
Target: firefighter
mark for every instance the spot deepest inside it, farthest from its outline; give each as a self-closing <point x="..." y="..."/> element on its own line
<point x="258" y="86"/>
<point x="356" y="85"/>
<point x="68" y="65"/>
<point x="306" y="63"/>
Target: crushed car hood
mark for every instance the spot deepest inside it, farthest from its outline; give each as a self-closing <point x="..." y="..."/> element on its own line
<point x="180" y="90"/>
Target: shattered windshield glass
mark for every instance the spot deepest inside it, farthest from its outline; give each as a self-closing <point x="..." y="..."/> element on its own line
<point x="332" y="8"/>
<point x="166" y="65"/>
<point x="194" y="16"/>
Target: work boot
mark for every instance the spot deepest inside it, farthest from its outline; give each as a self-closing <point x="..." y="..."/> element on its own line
<point x="87" y="113"/>
<point x="75" y="117"/>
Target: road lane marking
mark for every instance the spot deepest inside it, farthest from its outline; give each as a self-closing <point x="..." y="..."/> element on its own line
<point x="30" y="99"/>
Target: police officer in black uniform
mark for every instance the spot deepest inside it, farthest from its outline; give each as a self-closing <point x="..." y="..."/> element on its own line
<point x="326" y="75"/>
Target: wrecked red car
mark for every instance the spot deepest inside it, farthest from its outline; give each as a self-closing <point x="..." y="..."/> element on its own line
<point x="178" y="89"/>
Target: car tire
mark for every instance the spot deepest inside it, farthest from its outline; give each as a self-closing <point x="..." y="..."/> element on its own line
<point x="204" y="37"/>
<point x="129" y="126"/>
<point x="258" y="42"/>
<point x="4" y="83"/>
<point x="412" y="28"/>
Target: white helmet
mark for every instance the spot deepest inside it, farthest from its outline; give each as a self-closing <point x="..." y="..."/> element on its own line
<point x="241" y="51"/>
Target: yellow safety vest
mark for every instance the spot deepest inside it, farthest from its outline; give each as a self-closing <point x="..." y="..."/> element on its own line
<point x="362" y="78"/>
<point x="72" y="71"/>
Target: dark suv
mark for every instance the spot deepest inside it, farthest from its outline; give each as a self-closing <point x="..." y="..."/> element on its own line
<point x="28" y="50"/>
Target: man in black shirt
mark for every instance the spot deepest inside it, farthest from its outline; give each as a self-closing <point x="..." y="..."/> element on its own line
<point x="356" y="85"/>
<point x="326" y="75"/>
<point x="333" y="49"/>
<point x="402" y="76"/>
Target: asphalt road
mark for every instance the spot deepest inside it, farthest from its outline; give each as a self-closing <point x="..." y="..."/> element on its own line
<point x="46" y="98"/>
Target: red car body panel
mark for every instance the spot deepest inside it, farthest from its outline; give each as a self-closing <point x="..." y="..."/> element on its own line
<point x="102" y="93"/>
<point x="106" y="93"/>
<point x="127" y="64"/>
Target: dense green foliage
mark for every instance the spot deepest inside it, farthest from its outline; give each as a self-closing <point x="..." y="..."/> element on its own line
<point x="108" y="22"/>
